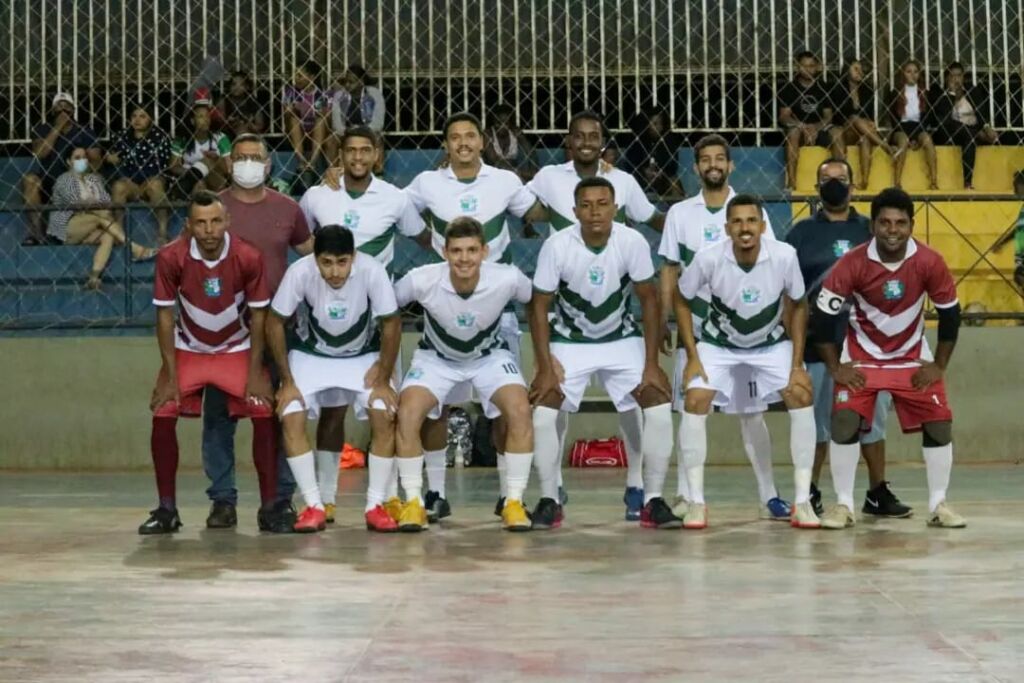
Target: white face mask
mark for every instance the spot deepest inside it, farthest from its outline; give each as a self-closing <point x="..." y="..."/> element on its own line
<point x="80" y="165"/>
<point x="248" y="173"/>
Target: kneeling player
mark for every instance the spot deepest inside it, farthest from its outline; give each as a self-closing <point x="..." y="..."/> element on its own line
<point x="751" y="284"/>
<point x="342" y="358"/>
<point x="463" y="299"/>
<point x="887" y="279"/>
<point x="218" y="285"/>
<point x="586" y="270"/>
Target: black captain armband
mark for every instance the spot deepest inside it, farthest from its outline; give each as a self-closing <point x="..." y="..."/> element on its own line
<point x="949" y="322"/>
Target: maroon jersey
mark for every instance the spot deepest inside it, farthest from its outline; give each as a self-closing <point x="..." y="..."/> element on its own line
<point x="213" y="297"/>
<point x="886" y="323"/>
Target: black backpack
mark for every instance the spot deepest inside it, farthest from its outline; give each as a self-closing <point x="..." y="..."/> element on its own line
<point x="484" y="453"/>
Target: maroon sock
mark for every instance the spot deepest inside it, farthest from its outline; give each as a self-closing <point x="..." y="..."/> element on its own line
<point x="264" y="457"/>
<point x="164" y="447"/>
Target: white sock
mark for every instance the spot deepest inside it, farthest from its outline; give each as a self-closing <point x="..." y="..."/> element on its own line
<point x="502" y="475"/>
<point x="377" y="479"/>
<point x="562" y="425"/>
<point x="392" y="488"/>
<point x="545" y="451"/>
<point x="518" y="476"/>
<point x="437" y="464"/>
<point x="801" y="448"/>
<point x="410" y="471"/>
<point x="695" y="452"/>
<point x="842" y="462"/>
<point x="631" y="429"/>
<point x="757" y="444"/>
<point x="682" y="483"/>
<point x="657" y="449"/>
<point x="304" y="470"/>
<point x="327" y="475"/>
<point x="939" y="463"/>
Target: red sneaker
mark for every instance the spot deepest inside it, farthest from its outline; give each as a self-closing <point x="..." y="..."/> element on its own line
<point x="311" y="519"/>
<point x="378" y="519"/>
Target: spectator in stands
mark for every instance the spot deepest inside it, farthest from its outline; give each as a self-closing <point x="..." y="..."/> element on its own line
<point x="853" y="104"/>
<point x="52" y="141"/>
<point x="611" y="154"/>
<point x="506" y="146"/>
<point x="651" y="156"/>
<point x="140" y="154"/>
<point x="81" y="193"/>
<point x="199" y="159"/>
<point x="908" y="106"/>
<point x="240" y="107"/>
<point x="357" y="102"/>
<point x="957" y="115"/>
<point x="306" y="109"/>
<point x="806" y="114"/>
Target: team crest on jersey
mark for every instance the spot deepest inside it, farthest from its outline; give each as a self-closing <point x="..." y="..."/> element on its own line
<point x="350" y="220"/>
<point x="337" y="310"/>
<point x="840" y="247"/>
<point x="712" y="232"/>
<point x="465" y="320"/>
<point x="750" y="295"/>
<point x="893" y="290"/>
<point x="468" y="203"/>
<point x="211" y="286"/>
<point x="842" y="396"/>
<point x="595" y="276"/>
<point x="414" y="373"/>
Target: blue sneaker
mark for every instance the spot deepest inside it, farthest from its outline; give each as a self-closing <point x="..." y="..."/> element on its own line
<point x="634" y="500"/>
<point x="777" y="510"/>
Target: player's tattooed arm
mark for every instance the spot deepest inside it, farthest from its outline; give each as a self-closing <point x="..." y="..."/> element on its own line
<point x="166" y="388"/>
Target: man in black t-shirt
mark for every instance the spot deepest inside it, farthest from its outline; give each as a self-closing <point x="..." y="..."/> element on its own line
<point x="806" y="114"/>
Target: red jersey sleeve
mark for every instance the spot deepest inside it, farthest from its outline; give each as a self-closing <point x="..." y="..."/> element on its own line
<point x="167" y="277"/>
<point x="257" y="291"/>
<point x="840" y="283"/>
<point x="939" y="283"/>
<point x="300" y="227"/>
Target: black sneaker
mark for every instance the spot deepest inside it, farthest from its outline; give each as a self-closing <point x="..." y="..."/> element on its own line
<point x="882" y="502"/>
<point x="278" y="519"/>
<point x="658" y="515"/>
<point x="547" y="514"/>
<point x="161" y="521"/>
<point x="499" y="506"/>
<point x="222" y="515"/>
<point x="437" y="507"/>
<point x="819" y="509"/>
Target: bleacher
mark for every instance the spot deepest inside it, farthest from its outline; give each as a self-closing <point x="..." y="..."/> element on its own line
<point x="44" y="283"/>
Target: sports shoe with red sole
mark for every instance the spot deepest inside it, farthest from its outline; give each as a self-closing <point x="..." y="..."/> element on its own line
<point x="311" y="520"/>
<point x="379" y="520"/>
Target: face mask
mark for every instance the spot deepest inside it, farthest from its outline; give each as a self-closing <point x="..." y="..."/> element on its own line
<point x="834" y="192"/>
<point x="248" y="173"/>
<point x="80" y="165"/>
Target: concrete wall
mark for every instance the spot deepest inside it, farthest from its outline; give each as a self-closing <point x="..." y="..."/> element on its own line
<point x="81" y="403"/>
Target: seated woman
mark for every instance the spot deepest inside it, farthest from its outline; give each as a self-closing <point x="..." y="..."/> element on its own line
<point x="957" y="114"/>
<point x="199" y="160"/>
<point x="506" y="146"/>
<point x="908" y="106"/>
<point x="853" y="104"/>
<point x="81" y="193"/>
<point x="140" y="155"/>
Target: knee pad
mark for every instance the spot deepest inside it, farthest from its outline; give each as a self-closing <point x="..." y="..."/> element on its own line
<point x="936" y="434"/>
<point x="845" y="426"/>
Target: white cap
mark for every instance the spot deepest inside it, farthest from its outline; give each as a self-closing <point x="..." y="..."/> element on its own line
<point x="63" y="97"/>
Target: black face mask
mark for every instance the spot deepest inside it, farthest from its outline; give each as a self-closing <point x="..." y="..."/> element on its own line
<point x="834" y="192"/>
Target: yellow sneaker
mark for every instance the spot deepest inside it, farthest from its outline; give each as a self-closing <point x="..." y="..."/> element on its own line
<point x="413" y="517"/>
<point x="945" y="517"/>
<point x="329" y="509"/>
<point x="514" y="517"/>
<point x="394" y="507"/>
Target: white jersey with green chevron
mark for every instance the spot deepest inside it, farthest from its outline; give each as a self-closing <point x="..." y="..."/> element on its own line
<point x="554" y="187"/>
<point x="373" y="216"/>
<point x="745" y="305"/>
<point x="342" y="322"/>
<point x="493" y="193"/>
<point x="690" y="225"/>
<point x="592" y="287"/>
<point x="458" y="327"/>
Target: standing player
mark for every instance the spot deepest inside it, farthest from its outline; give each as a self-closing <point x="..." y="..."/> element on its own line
<point x="754" y="286"/>
<point x="218" y="284"/>
<point x="554" y="187"/>
<point x="463" y="301"/>
<point x="349" y="340"/>
<point x="690" y="226"/>
<point x="586" y="271"/>
<point x="467" y="187"/>
<point x="819" y="242"/>
<point x="888" y="279"/>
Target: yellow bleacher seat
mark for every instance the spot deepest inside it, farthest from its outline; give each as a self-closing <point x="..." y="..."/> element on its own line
<point x="807" y="168"/>
<point x="994" y="167"/>
<point x="948" y="169"/>
<point x="991" y="291"/>
<point x="915" y="173"/>
<point x="979" y="224"/>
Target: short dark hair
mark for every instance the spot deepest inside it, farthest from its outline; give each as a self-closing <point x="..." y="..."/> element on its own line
<point x="334" y="239"/>
<point x="951" y="66"/>
<point x="713" y="140"/>
<point x="586" y="115"/>
<point x="592" y="181"/>
<point x="744" y="200"/>
<point x="203" y="198"/>
<point x="464" y="226"/>
<point x="312" y="68"/>
<point x="244" y="75"/>
<point x="357" y="70"/>
<point x="837" y="160"/>
<point x="804" y="54"/>
<point x="358" y="132"/>
<point x="249" y="137"/>
<point x="463" y="116"/>
<point x="892" y="198"/>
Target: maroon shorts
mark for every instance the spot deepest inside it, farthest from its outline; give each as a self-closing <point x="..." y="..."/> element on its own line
<point x="913" y="406"/>
<point x="229" y="372"/>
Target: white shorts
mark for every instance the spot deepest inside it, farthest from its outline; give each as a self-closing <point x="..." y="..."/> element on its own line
<point x="330" y="383"/>
<point x="441" y="377"/>
<point x="743" y="402"/>
<point x="738" y="373"/>
<point x="618" y="365"/>
<point x="508" y="331"/>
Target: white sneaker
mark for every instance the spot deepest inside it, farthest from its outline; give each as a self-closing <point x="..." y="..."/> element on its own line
<point x="837" y="517"/>
<point x="696" y="516"/>
<point x="803" y="517"/>
<point x="679" y="506"/>
<point x="945" y="517"/>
